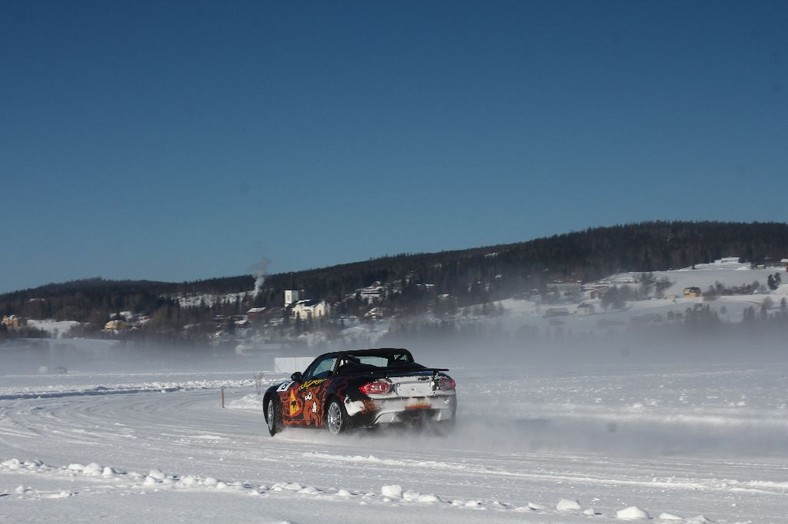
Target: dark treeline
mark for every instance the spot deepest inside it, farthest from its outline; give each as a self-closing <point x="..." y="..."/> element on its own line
<point x="413" y="282"/>
<point x="497" y="271"/>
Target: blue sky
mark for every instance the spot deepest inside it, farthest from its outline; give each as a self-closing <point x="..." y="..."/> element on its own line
<point x="184" y="140"/>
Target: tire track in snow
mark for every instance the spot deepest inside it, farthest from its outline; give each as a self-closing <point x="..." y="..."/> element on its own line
<point x="184" y="430"/>
<point x="759" y="487"/>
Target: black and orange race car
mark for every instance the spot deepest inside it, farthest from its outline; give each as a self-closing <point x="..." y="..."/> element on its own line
<point x="361" y="388"/>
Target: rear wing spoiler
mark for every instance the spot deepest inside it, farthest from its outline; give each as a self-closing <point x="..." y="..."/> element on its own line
<point x="404" y="373"/>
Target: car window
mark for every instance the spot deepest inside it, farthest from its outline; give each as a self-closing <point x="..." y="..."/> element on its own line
<point x="378" y="362"/>
<point x="320" y="369"/>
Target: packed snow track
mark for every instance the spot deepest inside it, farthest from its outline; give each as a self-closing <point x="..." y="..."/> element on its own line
<point x="672" y="445"/>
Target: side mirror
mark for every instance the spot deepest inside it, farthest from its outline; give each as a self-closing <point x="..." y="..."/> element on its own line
<point x="296" y="377"/>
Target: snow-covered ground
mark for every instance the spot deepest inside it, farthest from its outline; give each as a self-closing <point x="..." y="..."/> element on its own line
<point x="573" y="417"/>
<point x="564" y="442"/>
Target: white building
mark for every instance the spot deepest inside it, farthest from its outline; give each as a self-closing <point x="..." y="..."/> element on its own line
<point x="310" y="309"/>
<point x="373" y="293"/>
<point x="292" y="295"/>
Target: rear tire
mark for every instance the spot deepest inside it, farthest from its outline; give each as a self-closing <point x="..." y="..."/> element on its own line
<point x="336" y="417"/>
<point x="272" y="416"/>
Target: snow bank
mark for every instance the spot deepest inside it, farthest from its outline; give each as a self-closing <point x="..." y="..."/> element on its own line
<point x="115" y="479"/>
<point x="632" y="513"/>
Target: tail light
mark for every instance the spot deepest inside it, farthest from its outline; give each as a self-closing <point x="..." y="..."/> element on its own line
<point x="378" y="387"/>
<point x="445" y="383"/>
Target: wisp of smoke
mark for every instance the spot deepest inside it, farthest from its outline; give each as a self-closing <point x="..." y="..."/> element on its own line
<point x="260" y="270"/>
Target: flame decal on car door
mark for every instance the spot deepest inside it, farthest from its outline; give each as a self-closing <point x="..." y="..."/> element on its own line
<point x="295" y="404"/>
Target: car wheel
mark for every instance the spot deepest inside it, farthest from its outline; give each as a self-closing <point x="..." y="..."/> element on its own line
<point x="272" y="416"/>
<point x="336" y="417"/>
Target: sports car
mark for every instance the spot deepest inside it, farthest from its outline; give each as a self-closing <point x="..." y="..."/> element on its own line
<point x="361" y="388"/>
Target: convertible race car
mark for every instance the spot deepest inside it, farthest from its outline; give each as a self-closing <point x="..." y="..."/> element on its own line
<point x="361" y="388"/>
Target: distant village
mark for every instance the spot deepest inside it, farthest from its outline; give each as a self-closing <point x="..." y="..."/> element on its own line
<point x="559" y="299"/>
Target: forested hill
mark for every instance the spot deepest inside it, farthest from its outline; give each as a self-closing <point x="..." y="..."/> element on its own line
<point x="468" y="276"/>
<point x="579" y="256"/>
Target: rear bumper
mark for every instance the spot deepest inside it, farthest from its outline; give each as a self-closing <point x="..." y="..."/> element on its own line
<point x="438" y="408"/>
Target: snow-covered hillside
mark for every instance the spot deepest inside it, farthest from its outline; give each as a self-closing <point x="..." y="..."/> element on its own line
<point x="585" y="314"/>
<point x="736" y="288"/>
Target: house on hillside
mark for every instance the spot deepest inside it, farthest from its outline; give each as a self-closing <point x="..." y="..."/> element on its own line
<point x="566" y="289"/>
<point x="13" y="321"/>
<point x="595" y="290"/>
<point x="310" y="309"/>
<point x="255" y="313"/>
<point x="373" y="293"/>
<point x="375" y="313"/>
<point x="116" y="325"/>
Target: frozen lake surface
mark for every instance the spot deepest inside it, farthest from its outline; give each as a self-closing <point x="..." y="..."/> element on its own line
<point x="556" y="443"/>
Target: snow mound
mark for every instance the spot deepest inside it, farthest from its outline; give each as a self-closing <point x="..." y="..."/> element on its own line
<point x="632" y="513"/>
<point x="568" y="505"/>
<point x="393" y="491"/>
